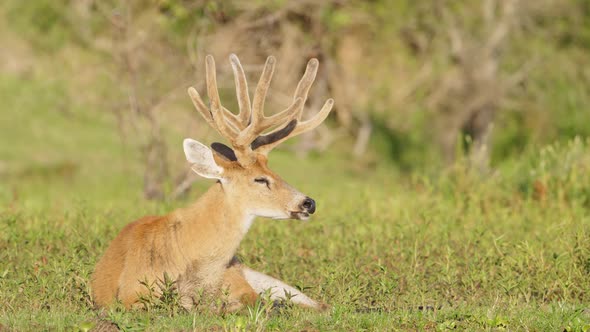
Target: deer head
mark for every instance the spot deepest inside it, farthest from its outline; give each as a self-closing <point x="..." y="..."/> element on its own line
<point x="242" y="168"/>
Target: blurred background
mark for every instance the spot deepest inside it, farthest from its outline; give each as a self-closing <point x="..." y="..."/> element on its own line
<point x="93" y="93"/>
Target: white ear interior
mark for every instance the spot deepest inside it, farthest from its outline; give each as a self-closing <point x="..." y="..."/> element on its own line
<point x="201" y="158"/>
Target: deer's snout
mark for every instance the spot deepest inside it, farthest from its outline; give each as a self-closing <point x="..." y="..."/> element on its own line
<point x="308" y="205"/>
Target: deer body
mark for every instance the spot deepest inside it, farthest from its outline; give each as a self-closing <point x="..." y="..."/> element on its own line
<point x="195" y="246"/>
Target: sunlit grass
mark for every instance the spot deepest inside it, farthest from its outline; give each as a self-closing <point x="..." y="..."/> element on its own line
<point x="458" y="251"/>
<point x="387" y="250"/>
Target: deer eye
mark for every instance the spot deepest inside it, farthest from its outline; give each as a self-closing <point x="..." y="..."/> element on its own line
<point x="262" y="180"/>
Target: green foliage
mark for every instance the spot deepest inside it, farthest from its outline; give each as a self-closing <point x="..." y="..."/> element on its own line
<point x="162" y="295"/>
<point x="398" y="243"/>
<point x="43" y="22"/>
<point x="550" y="104"/>
<point x="335" y="19"/>
<point x="451" y="252"/>
<point x="179" y="17"/>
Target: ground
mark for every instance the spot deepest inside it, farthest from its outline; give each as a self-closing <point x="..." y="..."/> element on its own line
<point x="387" y="249"/>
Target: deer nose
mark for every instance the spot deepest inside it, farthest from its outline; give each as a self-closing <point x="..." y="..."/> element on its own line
<point x="308" y="205"/>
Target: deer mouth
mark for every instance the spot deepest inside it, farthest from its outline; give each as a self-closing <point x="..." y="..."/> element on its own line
<point x="299" y="215"/>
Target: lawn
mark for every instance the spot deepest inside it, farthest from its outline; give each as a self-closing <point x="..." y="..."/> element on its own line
<point x="388" y="250"/>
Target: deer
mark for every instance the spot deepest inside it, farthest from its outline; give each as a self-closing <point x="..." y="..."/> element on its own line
<point x="196" y="246"/>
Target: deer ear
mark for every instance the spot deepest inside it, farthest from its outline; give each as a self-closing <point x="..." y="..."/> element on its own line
<point x="201" y="158"/>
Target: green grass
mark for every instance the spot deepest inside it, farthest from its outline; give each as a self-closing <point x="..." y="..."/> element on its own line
<point x="387" y="250"/>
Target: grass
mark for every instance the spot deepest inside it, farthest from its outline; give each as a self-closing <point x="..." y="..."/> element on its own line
<point x="463" y="253"/>
<point x="387" y="250"/>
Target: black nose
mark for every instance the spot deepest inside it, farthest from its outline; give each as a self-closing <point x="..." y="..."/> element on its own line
<point x="308" y="205"/>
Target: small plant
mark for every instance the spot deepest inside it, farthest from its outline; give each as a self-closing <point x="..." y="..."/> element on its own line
<point x="162" y="295"/>
<point x="123" y="319"/>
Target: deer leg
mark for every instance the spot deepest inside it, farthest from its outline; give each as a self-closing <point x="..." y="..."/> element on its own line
<point x="240" y="292"/>
<point x="261" y="282"/>
<point x="129" y="296"/>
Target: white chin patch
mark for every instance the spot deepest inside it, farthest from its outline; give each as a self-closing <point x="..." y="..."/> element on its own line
<point x="282" y="216"/>
<point x="272" y="214"/>
<point x="246" y="223"/>
<point x="300" y="215"/>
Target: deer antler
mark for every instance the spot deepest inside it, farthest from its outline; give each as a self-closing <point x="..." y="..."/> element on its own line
<point x="244" y="130"/>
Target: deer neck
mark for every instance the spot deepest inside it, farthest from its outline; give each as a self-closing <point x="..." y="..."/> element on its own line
<point x="214" y="225"/>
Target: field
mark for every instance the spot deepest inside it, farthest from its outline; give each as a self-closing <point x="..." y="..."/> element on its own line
<point x="399" y="242"/>
<point x="388" y="250"/>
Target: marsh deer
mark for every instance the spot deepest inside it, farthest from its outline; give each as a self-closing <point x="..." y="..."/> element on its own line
<point x="195" y="246"/>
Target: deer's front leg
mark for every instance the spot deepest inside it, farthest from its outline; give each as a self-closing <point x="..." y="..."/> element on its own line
<point x="240" y="292"/>
<point x="279" y="290"/>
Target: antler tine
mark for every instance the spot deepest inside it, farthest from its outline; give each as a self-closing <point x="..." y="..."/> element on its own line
<point x="306" y="81"/>
<point x="241" y="91"/>
<point x="315" y="121"/>
<point x="257" y="116"/>
<point x="295" y="110"/>
<point x="264" y="144"/>
<point x="261" y="90"/>
<point x="206" y="113"/>
<point x="218" y="112"/>
<point x="232" y="120"/>
<point x="285" y="116"/>
<point x="211" y="77"/>
<point x="200" y="106"/>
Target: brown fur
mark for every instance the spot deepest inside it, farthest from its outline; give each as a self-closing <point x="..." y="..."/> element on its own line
<point x="194" y="245"/>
